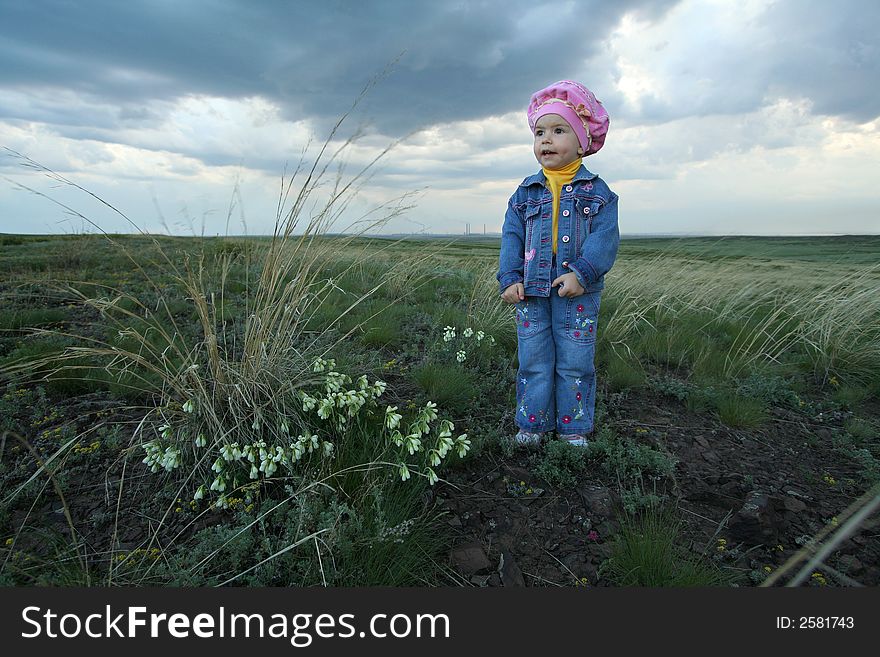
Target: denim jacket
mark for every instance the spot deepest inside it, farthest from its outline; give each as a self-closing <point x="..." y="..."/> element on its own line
<point x="588" y="234"/>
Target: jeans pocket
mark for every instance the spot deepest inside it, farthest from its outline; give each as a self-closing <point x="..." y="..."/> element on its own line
<point x="581" y="317"/>
<point x="526" y="319"/>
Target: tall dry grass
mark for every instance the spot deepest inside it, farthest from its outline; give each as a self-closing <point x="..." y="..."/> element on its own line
<point x="228" y="387"/>
<point x="836" y="322"/>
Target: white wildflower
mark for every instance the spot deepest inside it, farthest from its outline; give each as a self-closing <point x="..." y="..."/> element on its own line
<point x="468" y="332"/>
<point x="432" y="476"/>
<point x="463" y="444"/>
<point x="445" y="429"/>
<point x="460" y="356"/>
<point x="298" y="449"/>
<point x="379" y="388"/>
<point x="308" y="401"/>
<point x="413" y="443"/>
<point x="403" y="471"/>
<point x="392" y="419"/>
<point x="325" y="408"/>
<point x="444" y="445"/>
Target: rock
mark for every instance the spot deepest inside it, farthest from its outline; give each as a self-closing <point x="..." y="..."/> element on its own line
<point x="700" y="440"/>
<point x="591" y="572"/>
<point x="470" y="559"/>
<point x="509" y="571"/>
<point x="574" y="562"/>
<point x="732" y="489"/>
<point x="710" y="456"/>
<point x="597" y="500"/>
<point x="494" y="580"/>
<point x="756" y="521"/>
<point x="798" y="494"/>
<point x="792" y="504"/>
<point x="480" y="580"/>
<point x="454" y="521"/>
<point x="601" y="551"/>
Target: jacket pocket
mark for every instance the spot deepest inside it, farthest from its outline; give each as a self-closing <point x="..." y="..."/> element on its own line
<point x="585" y="209"/>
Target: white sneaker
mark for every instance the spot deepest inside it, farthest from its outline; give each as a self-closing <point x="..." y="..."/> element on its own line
<point x="576" y="439"/>
<point x="526" y="439"/>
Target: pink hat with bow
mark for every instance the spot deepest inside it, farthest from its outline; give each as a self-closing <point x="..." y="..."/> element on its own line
<point x="577" y="105"/>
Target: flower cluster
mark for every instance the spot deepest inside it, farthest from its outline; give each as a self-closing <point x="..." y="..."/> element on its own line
<point x="450" y="332"/>
<point x="271" y="449"/>
<point x="413" y="441"/>
<point x="159" y="457"/>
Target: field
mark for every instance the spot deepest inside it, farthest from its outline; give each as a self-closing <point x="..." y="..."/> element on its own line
<point x="189" y="411"/>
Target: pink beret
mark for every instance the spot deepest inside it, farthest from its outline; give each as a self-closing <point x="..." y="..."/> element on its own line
<point x="577" y="105"/>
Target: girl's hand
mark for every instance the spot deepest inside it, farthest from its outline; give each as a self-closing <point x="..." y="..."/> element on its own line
<point x="513" y="293"/>
<point x="568" y="285"/>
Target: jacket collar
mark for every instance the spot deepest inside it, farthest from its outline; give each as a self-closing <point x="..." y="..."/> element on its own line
<point x="539" y="178"/>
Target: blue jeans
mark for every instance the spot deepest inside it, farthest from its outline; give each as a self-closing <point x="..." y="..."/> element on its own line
<point x="556" y="380"/>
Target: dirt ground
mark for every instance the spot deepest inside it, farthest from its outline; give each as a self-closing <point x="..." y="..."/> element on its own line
<point x="759" y="494"/>
<point x="747" y="499"/>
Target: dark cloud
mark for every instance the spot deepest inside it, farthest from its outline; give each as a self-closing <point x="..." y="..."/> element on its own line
<point x="827" y="53"/>
<point x="461" y="60"/>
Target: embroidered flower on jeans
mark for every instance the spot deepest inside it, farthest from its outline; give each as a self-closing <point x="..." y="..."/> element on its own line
<point x="566" y="419"/>
<point x="532" y="418"/>
<point x="580" y="307"/>
<point x="578" y="396"/>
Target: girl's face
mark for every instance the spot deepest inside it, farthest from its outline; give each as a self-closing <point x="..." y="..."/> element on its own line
<point x="556" y="144"/>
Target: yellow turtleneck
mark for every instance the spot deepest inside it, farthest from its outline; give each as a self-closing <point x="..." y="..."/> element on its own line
<point x="556" y="178"/>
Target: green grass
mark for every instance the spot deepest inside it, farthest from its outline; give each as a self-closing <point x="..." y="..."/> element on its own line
<point x="740" y="412"/>
<point x="24" y="318"/>
<point x="620" y="373"/>
<point x="451" y="386"/>
<point x="645" y="553"/>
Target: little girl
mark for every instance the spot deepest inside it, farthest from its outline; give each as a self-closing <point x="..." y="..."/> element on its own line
<point x="560" y="231"/>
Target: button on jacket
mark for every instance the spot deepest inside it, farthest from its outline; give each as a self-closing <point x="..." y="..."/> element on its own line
<point x="588" y="232"/>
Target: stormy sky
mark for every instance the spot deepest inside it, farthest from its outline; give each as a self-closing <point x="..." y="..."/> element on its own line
<point x="726" y="117"/>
